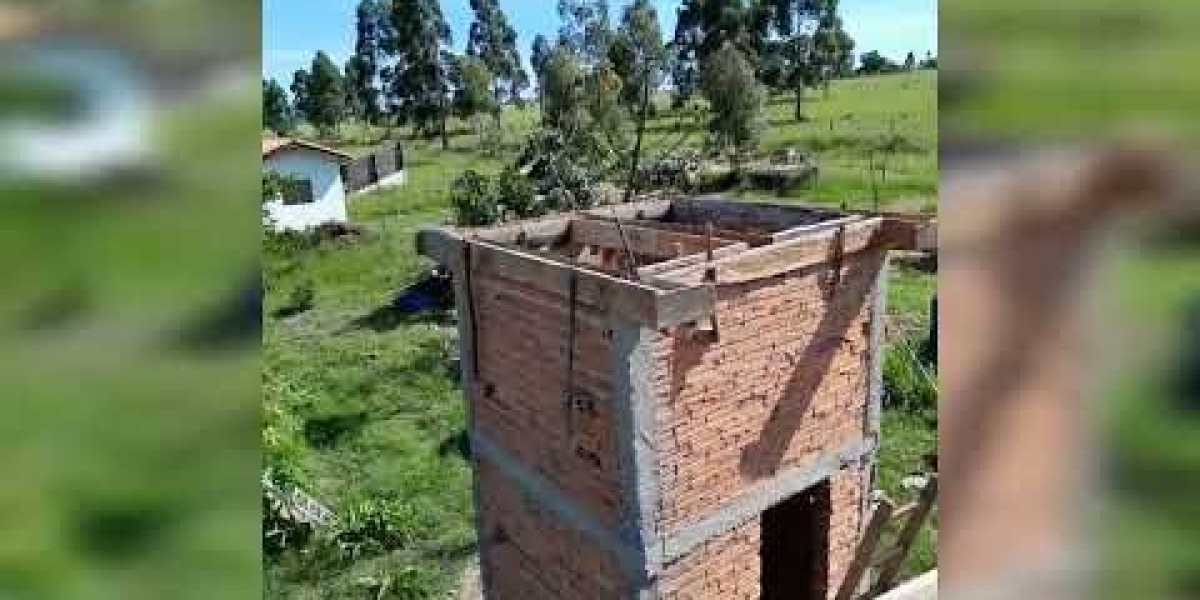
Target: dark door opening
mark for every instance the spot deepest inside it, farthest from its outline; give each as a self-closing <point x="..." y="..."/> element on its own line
<point x="795" y="547"/>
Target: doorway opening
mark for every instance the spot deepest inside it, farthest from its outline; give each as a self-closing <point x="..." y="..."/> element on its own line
<point x="794" y="546"/>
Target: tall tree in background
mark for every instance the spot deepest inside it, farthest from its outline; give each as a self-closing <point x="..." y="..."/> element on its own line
<point x="874" y="63"/>
<point x="494" y="42"/>
<point x="277" y="111"/>
<point x="637" y="53"/>
<point x="704" y="26"/>
<point x="833" y="48"/>
<point x="301" y="98"/>
<point x="585" y="29"/>
<point x="473" y="95"/>
<point x="352" y="82"/>
<point x="562" y="89"/>
<point x="326" y="95"/>
<point x="418" y="83"/>
<point x="910" y="62"/>
<point x="736" y="99"/>
<point x="798" y="22"/>
<point x="539" y="56"/>
<point x="372" y="34"/>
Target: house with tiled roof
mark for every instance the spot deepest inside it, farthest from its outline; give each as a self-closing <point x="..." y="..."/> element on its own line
<point x="316" y="191"/>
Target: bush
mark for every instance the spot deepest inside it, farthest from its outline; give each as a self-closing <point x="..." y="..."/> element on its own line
<point x="514" y="193"/>
<point x="474" y="203"/>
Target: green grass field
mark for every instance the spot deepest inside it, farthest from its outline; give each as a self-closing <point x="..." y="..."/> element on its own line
<point x="373" y="411"/>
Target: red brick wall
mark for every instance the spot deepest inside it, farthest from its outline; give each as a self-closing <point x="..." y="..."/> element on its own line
<point x="521" y="403"/>
<point x="529" y="553"/>
<point x="786" y="378"/>
<point x="725" y="567"/>
<point x="847" y="489"/>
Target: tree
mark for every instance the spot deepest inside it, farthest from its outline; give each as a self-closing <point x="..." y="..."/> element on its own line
<point x="833" y="50"/>
<point x="539" y="56"/>
<point x="637" y="52"/>
<point x="326" y="94"/>
<point x="301" y="98"/>
<point x="562" y="89"/>
<point x="277" y="111"/>
<point x="910" y="62"/>
<point x="494" y="42"/>
<point x="352" y="82"/>
<point x="736" y="99"/>
<point x="808" y="28"/>
<point x="372" y="34"/>
<point x="704" y="26"/>
<point x="472" y="90"/>
<point x="418" y="83"/>
<point x="874" y="63"/>
<point x="930" y="61"/>
<point x="585" y="29"/>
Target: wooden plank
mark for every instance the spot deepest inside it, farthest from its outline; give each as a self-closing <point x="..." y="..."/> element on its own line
<point x="642" y="241"/>
<point x="441" y="245"/>
<point x="731" y="214"/>
<point x="866" y="549"/>
<point x="645" y="209"/>
<point x="750" y="237"/>
<point x="906" y="538"/>
<point x="604" y="292"/>
<point x="640" y="303"/>
<point x="803" y="230"/>
<point x="923" y="587"/>
<point x="768" y="261"/>
<point x="538" y="232"/>
<point x="649" y="271"/>
<point x="911" y="234"/>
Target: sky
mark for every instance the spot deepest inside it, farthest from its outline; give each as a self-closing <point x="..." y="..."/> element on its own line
<point x="294" y="30"/>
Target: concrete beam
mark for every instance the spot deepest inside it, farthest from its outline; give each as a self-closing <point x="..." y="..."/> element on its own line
<point x="782" y="486"/>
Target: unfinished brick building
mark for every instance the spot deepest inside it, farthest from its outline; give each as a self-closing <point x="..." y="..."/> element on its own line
<point x="672" y="399"/>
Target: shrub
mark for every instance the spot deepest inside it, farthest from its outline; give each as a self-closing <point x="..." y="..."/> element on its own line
<point x="473" y="201"/>
<point x="515" y="194"/>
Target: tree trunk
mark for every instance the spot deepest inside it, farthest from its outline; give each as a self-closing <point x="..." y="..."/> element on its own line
<point x="800" y="103"/>
<point x="445" y="119"/>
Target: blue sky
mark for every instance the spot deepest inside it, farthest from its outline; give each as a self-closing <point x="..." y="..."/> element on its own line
<point x="293" y="30"/>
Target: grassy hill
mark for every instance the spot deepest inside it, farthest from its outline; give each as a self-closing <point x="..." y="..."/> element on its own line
<point x="366" y="409"/>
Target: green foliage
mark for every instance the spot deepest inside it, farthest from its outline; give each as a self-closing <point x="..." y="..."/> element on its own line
<point x="494" y="42"/>
<point x="473" y="201"/>
<point x="909" y="384"/>
<point x="277" y="111"/>
<point x="325" y="105"/>
<point x="874" y="63"/>
<point x="372" y="30"/>
<point x="637" y="54"/>
<point x="418" y="83"/>
<point x="585" y="29"/>
<point x="515" y="195"/>
<point x="472" y="87"/>
<point x="735" y="98"/>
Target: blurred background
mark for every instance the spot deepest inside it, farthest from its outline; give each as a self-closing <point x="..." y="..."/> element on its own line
<point x="1070" y="299"/>
<point x="129" y="427"/>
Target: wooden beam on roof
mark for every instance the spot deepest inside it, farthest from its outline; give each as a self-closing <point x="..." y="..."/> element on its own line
<point x="803" y="230"/>
<point x="650" y="271"/>
<point x="731" y="214"/>
<point x="768" y="261"/>
<point x="643" y="241"/>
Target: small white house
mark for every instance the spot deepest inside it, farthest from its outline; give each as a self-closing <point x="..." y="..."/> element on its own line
<point x="319" y="194"/>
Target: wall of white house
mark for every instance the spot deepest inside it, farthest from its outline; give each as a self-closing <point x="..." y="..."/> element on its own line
<point x="329" y="192"/>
